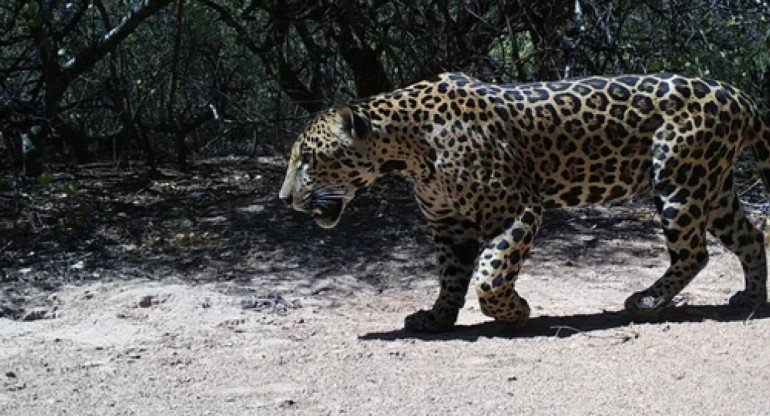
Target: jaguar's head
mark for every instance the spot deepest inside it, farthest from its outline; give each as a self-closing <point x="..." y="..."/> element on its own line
<point x="330" y="160"/>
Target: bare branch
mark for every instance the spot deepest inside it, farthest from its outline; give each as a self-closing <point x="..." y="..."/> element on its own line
<point x="86" y="59"/>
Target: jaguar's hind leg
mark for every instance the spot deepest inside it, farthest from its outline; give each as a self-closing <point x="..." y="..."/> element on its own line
<point x="727" y="221"/>
<point x="684" y="226"/>
<point x="681" y="195"/>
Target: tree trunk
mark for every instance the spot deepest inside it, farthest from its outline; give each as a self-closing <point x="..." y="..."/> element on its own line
<point x="31" y="154"/>
<point x="179" y="135"/>
<point x="75" y="139"/>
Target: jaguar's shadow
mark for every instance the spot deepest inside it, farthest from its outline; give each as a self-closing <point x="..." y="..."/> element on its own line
<point x="566" y="326"/>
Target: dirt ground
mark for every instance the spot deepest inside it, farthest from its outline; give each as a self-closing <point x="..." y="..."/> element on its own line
<point x="201" y="294"/>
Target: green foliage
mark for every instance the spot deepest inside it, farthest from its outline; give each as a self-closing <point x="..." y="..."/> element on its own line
<point x="249" y="72"/>
<point x="45" y="179"/>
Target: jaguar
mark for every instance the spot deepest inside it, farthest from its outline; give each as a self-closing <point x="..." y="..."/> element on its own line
<point x="486" y="160"/>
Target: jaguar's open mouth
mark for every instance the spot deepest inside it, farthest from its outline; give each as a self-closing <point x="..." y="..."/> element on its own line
<point x="328" y="214"/>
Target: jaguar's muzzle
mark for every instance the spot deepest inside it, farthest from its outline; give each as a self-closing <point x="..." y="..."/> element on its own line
<point x="328" y="214"/>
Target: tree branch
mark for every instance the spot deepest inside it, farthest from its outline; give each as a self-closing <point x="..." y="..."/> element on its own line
<point x="287" y="78"/>
<point x="86" y="59"/>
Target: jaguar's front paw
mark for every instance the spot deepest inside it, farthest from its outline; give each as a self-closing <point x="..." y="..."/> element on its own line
<point x="513" y="314"/>
<point x="644" y="301"/>
<point x="429" y="321"/>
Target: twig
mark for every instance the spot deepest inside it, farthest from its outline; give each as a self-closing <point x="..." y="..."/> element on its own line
<point x="558" y="329"/>
<point x="751" y="315"/>
<point x="750" y="187"/>
<point x="761" y="207"/>
<point x="71" y="259"/>
<point x="5" y="247"/>
<point x="622" y="337"/>
<point x="273" y="302"/>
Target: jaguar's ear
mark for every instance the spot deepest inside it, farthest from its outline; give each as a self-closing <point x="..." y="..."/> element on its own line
<point x="356" y="125"/>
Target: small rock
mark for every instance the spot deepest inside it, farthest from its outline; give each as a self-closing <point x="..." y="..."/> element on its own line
<point x="17" y="388"/>
<point x="10" y="374"/>
<point x="286" y="403"/>
<point x="150" y="300"/>
<point x="35" y="315"/>
<point x="273" y="302"/>
<point x="145" y="301"/>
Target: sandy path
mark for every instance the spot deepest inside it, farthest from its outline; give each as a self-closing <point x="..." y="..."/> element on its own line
<point x="140" y="347"/>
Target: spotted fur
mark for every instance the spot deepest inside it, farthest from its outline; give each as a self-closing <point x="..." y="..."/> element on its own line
<point x="486" y="160"/>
